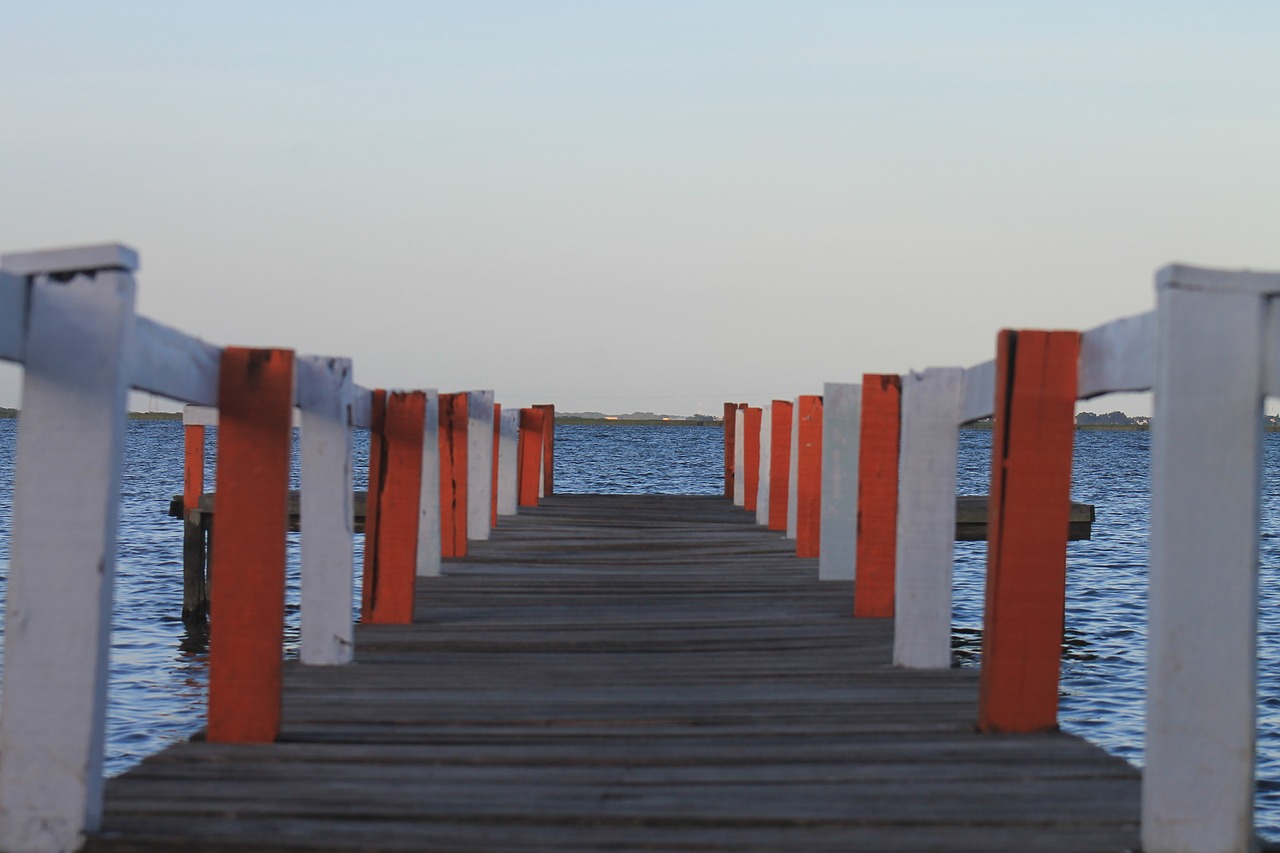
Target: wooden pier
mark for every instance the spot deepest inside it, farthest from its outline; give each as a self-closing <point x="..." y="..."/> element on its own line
<point x="628" y="673"/>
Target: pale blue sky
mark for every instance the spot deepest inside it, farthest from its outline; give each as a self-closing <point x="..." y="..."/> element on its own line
<point x="646" y="205"/>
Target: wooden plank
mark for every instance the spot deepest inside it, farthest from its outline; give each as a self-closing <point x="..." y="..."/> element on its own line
<point x="766" y="465"/>
<point x="628" y="672"/>
<point x="548" y="448"/>
<point x="427" y="561"/>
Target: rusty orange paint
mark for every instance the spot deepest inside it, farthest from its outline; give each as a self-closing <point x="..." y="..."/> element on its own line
<point x="779" y="463"/>
<point x="730" y="444"/>
<point x="377" y="464"/>
<point x="878" y="494"/>
<point x="751" y="455"/>
<point x="192" y="466"/>
<point x="255" y="403"/>
<point x="808" y="476"/>
<point x="453" y="474"/>
<point x="529" y="456"/>
<point x="394" y="545"/>
<point x="497" y="449"/>
<point x="548" y="447"/>
<point x="1029" y="505"/>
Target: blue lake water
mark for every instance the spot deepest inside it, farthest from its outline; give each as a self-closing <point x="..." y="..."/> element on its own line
<point x="158" y="670"/>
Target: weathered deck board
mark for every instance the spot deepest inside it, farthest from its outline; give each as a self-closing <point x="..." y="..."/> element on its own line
<point x="628" y="673"/>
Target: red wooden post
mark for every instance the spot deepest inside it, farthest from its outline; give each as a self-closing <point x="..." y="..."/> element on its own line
<point x="809" y="476"/>
<point x="548" y="447"/>
<point x="730" y="412"/>
<point x="1028" y="510"/>
<point x="255" y="403"/>
<point x="497" y="449"/>
<point x="878" y="494"/>
<point x="192" y="467"/>
<point x="751" y="455"/>
<point x="529" y="456"/>
<point x="453" y="474"/>
<point x="390" y="551"/>
<point x="730" y="445"/>
<point x="779" y="463"/>
<point x="377" y="464"/>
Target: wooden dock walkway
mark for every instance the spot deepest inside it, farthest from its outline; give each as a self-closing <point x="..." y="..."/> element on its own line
<point x="628" y="673"/>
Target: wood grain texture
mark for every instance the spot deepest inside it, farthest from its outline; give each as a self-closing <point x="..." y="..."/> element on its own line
<point x="878" y="494"/>
<point x="628" y="673"/>
<point x="255" y="404"/>
<point x="1030" y="506"/>
<point x="780" y="412"/>
<point x="808" y="474"/>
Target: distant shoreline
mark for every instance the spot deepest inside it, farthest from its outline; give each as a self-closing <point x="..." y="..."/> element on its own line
<point x="133" y="416"/>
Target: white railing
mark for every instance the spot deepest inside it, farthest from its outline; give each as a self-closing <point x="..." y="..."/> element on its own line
<point x="1210" y="351"/>
<point x="68" y="317"/>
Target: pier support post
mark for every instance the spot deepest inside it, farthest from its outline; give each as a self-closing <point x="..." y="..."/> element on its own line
<point x="1215" y="331"/>
<point x="453" y="447"/>
<point x="841" y="417"/>
<point x="766" y="465"/>
<point x="806" y="466"/>
<point x="255" y="432"/>
<point x="324" y="396"/>
<point x="195" y="582"/>
<point x="751" y="456"/>
<point x="508" y="462"/>
<point x="496" y="466"/>
<point x="479" y="464"/>
<point x="530" y="456"/>
<point x="730" y="434"/>
<point x="429" y="547"/>
<point x="878" y="494"/>
<point x="740" y="457"/>
<point x="61" y="577"/>
<point x="391" y="551"/>
<point x="780" y="462"/>
<point x="548" y="486"/>
<point x="926" y="527"/>
<point x="1028" y="520"/>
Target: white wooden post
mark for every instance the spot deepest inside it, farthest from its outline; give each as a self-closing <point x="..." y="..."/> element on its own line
<point x="480" y="464"/>
<point x="926" y="517"/>
<point x="508" y="462"/>
<point x="1198" y="782"/>
<point x="766" y="464"/>
<point x="61" y="575"/>
<point x="427" y="561"/>
<point x="739" y="458"/>
<point x="838" y="537"/>
<point x="793" y="472"/>
<point x="324" y="395"/>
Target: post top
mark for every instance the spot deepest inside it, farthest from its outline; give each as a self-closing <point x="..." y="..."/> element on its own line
<point x="73" y="259"/>
<point x="1186" y="277"/>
